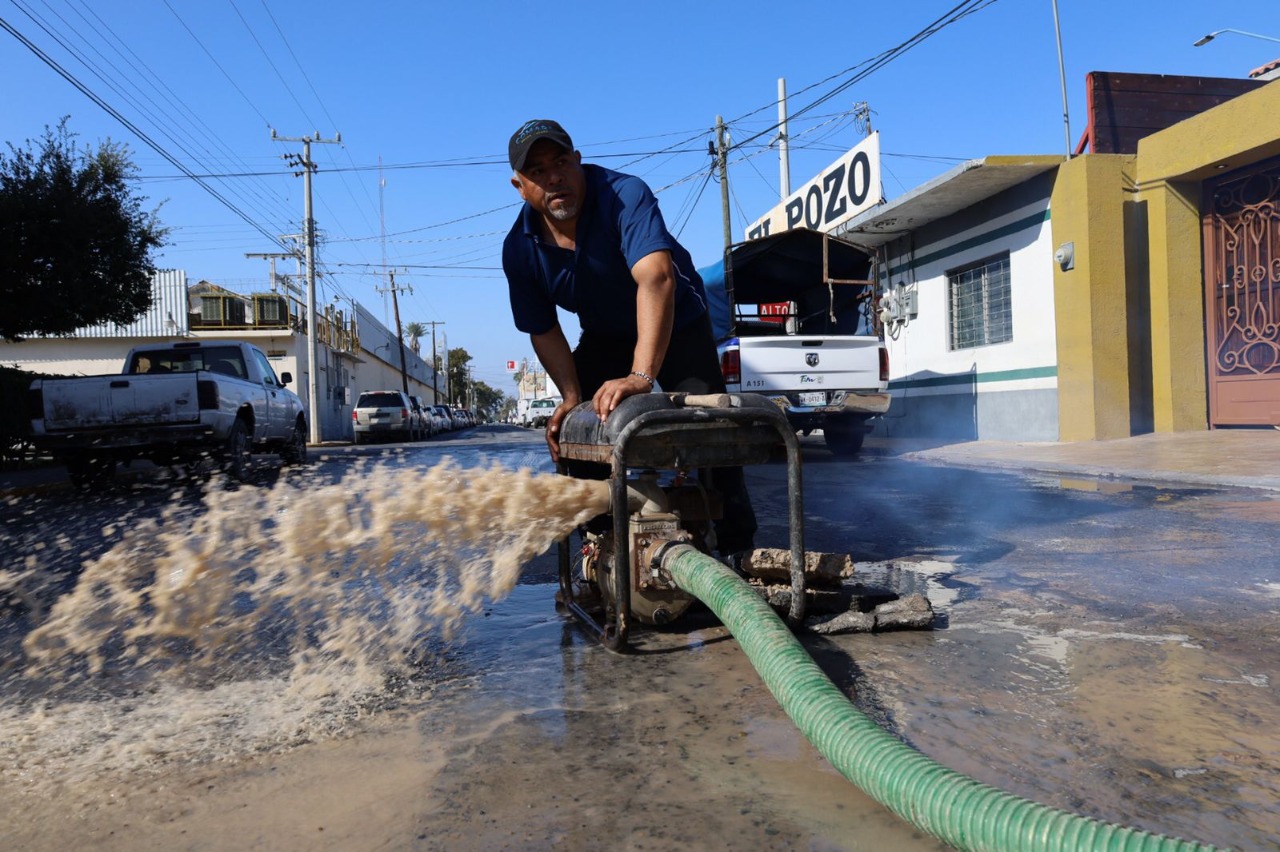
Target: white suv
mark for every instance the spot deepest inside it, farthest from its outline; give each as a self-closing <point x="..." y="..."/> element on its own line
<point x="384" y="415"/>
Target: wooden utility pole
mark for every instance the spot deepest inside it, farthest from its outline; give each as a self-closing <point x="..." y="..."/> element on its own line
<point x="309" y="230"/>
<point x="722" y="161"/>
<point x="395" y="302"/>
<point x="435" y="363"/>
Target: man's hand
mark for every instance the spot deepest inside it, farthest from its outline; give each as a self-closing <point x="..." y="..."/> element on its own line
<point x="553" y="427"/>
<point x="615" y="391"/>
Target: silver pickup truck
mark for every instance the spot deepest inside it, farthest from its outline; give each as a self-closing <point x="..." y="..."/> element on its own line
<point x="793" y="319"/>
<point x="192" y="402"/>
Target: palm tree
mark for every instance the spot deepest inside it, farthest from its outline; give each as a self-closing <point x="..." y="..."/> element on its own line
<point x="415" y="330"/>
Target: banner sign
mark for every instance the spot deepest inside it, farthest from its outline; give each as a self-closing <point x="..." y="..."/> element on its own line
<point x="844" y="189"/>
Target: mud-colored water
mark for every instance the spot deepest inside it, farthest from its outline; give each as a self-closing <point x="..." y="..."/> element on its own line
<point x="270" y="617"/>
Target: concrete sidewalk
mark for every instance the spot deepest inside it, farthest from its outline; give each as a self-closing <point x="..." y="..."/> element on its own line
<point x="1247" y="458"/>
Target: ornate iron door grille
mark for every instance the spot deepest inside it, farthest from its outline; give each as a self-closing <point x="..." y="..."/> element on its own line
<point x="1242" y="296"/>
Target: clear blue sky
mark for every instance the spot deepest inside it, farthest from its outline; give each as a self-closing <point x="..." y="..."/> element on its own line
<point x="435" y="89"/>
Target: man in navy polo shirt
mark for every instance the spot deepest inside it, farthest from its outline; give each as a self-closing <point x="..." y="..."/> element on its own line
<point x="593" y="242"/>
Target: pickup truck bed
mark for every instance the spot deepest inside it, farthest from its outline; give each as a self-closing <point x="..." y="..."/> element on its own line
<point x="175" y="403"/>
<point x="793" y="322"/>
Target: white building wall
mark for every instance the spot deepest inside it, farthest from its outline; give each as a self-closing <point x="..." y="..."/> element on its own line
<point x="1003" y="391"/>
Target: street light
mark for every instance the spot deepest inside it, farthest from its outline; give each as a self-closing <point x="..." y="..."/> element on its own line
<point x="1203" y="40"/>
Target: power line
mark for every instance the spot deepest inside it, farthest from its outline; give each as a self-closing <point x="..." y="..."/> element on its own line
<point x="217" y="64"/>
<point x="137" y="131"/>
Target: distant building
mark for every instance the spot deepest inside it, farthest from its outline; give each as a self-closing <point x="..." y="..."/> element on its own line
<point x="355" y="351"/>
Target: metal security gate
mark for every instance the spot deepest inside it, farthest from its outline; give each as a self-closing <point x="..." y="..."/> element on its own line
<point x="1242" y="296"/>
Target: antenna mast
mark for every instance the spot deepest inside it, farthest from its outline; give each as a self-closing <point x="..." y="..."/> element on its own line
<point x="382" y="225"/>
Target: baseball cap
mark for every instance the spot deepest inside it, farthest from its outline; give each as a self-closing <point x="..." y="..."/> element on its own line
<point x="530" y="132"/>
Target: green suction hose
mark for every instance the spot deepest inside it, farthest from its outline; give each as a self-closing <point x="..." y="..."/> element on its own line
<point x="954" y="808"/>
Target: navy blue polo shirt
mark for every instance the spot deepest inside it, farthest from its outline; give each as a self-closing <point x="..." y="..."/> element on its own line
<point x="619" y="224"/>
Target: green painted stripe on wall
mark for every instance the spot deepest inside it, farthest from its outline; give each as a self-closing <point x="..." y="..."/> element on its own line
<point x="975" y="378"/>
<point x="1011" y="228"/>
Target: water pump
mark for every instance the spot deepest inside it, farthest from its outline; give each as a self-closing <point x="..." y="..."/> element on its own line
<point x="655" y="450"/>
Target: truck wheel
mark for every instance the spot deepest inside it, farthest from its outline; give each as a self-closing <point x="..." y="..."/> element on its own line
<point x="237" y="456"/>
<point x="295" y="452"/>
<point x="844" y="436"/>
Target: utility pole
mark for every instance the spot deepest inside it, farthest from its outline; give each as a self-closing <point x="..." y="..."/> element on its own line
<point x="435" y="362"/>
<point x="309" y="228"/>
<point x="784" y="151"/>
<point x="448" y="374"/>
<point x="404" y="371"/>
<point x="1062" y="75"/>
<point x="272" y="257"/>
<point x="722" y="161"/>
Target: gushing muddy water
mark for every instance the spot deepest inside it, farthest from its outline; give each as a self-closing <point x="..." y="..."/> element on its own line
<point x="281" y="668"/>
<point x="269" y="617"/>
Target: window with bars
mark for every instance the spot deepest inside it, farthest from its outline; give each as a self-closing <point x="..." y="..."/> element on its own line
<point x="981" y="310"/>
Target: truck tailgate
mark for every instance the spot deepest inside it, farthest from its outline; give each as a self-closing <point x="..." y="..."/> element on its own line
<point x="110" y="401"/>
<point x="810" y="363"/>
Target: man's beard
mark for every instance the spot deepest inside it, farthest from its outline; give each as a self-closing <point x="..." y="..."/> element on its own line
<point x="564" y="212"/>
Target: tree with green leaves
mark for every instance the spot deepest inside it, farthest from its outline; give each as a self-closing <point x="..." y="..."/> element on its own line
<point x="76" y="247"/>
<point x="414" y="331"/>
<point x="458" y="374"/>
<point x="489" y="401"/>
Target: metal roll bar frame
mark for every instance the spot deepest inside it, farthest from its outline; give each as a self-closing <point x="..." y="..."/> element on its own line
<point x="613" y="633"/>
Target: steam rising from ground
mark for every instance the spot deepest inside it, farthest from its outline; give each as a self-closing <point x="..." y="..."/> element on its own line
<point x="270" y="615"/>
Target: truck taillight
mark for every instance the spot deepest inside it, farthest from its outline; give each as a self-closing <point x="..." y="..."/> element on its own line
<point x="355" y="416"/>
<point x="207" y="393"/>
<point x="404" y="414"/>
<point x="731" y="366"/>
<point x="884" y="364"/>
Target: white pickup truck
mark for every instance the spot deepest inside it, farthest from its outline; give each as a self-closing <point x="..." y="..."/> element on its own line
<point x="794" y="321"/>
<point x="174" y="403"/>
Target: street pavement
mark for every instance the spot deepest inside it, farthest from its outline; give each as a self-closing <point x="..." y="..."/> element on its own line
<point x="1243" y="458"/>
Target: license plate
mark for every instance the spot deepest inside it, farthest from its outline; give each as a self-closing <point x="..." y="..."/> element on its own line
<point x="814" y="398"/>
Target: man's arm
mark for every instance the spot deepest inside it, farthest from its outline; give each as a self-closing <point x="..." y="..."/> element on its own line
<point x="557" y="358"/>
<point x="655" y="311"/>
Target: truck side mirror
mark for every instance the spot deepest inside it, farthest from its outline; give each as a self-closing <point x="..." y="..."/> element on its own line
<point x="286" y="377"/>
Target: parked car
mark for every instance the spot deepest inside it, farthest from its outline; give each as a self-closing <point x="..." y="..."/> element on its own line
<point x="426" y="423"/>
<point x="384" y="415"/>
<point x="172" y="403"/>
<point x="464" y="416"/>
<point x="445" y="416"/>
<point x="540" y="411"/>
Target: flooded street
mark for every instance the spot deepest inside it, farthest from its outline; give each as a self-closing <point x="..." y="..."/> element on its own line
<point x="1106" y="649"/>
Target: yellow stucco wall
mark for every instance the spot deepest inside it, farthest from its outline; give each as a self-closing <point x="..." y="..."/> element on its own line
<point x="1090" y="303"/>
<point x="1170" y="168"/>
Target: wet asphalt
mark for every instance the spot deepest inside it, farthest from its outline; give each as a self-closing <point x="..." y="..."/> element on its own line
<point x="1103" y="645"/>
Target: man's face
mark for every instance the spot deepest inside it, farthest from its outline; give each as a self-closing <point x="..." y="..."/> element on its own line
<point x="552" y="181"/>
